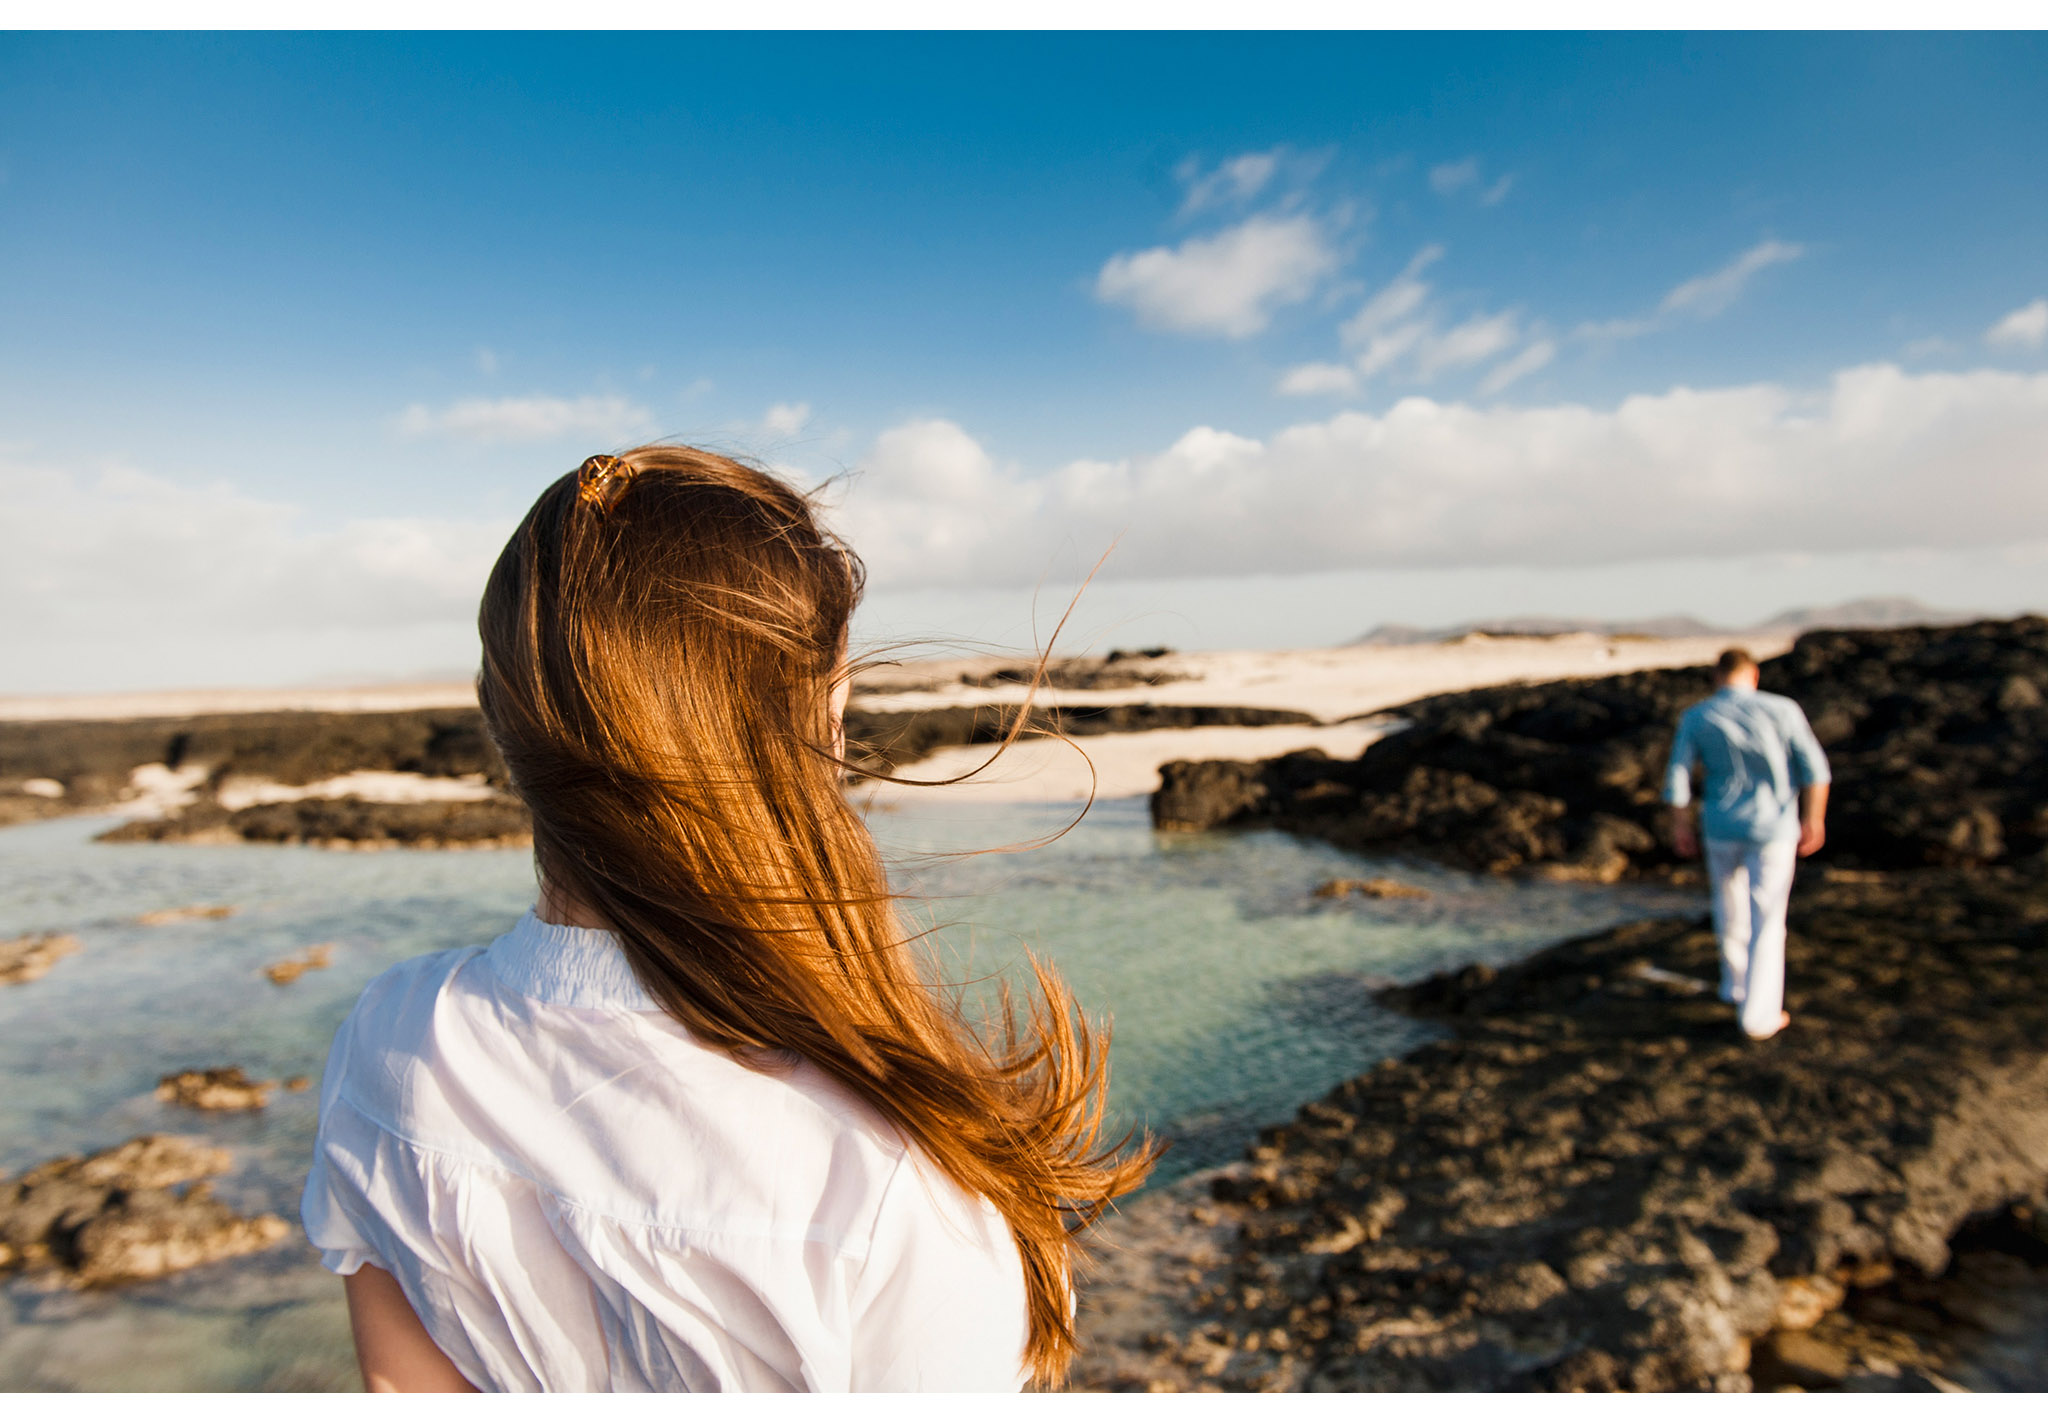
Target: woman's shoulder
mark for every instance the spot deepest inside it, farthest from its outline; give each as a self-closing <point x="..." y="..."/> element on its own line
<point x="609" y="1104"/>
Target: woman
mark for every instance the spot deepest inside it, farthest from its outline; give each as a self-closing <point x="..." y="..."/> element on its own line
<point x="695" y="1122"/>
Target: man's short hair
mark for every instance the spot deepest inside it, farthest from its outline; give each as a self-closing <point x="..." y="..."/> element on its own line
<point x="1734" y="660"/>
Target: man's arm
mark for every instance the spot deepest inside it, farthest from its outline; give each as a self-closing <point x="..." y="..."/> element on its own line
<point x="1810" y="769"/>
<point x="393" y="1348"/>
<point x="1678" y="790"/>
<point x="1813" y="817"/>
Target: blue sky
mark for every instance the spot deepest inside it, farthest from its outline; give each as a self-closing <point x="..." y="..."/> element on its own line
<point x="291" y="327"/>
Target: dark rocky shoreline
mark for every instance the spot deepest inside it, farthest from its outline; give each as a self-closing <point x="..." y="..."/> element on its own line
<point x="1596" y="1182"/>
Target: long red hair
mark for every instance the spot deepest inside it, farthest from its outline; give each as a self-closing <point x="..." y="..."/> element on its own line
<point x="660" y="642"/>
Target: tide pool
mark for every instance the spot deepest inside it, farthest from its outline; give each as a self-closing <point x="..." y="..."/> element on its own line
<point x="1236" y="995"/>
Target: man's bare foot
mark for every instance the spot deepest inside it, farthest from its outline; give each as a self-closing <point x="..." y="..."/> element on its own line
<point x="1784" y="1022"/>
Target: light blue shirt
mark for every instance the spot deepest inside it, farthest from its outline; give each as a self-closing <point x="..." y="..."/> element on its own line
<point x="1756" y="751"/>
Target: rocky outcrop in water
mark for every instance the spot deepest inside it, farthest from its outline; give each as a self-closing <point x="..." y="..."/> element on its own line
<point x="138" y="1211"/>
<point x="215" y="1089"/>
<point x="1114" y="672"/>
<point x="294" y="968"/>
<point x="1596" y="1182"/>
<point x="1938" y="739"/>
<point x="1377" y="887"/>
<point x="498" y="823"/>
<point x="28" y="958"/>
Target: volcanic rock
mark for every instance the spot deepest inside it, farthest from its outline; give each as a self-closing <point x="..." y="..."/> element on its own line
<point x="215" y="1089"/>
<point x="116" y="1216"/>
<point x="1597" y="1182"/>
<point x="185" y="913"/>
<point x="1374" y="888"/>
<point x="290" y="970"/>
<point x="28" y="958"/>
<point x="346" y="824"/>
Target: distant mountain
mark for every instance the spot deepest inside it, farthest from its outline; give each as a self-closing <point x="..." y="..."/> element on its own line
<point x="1857" y="613"/>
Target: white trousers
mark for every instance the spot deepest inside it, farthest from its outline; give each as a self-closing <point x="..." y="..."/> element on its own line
<point x="1752" y="886"/>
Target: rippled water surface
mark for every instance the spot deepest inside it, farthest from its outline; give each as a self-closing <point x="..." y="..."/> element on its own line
<point x="1236" y="996"/>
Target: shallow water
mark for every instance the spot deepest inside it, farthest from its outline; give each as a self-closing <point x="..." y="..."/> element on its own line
<point x="1236" y="995"/>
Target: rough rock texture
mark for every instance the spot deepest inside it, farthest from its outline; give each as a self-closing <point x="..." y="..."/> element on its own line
<point x="498" y="823"/>
<point x="116" y="1215"/>
<point x="1088" y="674"/>
<point x="28" y="958"/>
<point x="1938" y="739"/>
<point x="1378" y="887"/>
<point x="215" y="1089"/>
<point x="292" y="969"/>
<point x="1597" y="1183"/>
<point x="186" y="914"/>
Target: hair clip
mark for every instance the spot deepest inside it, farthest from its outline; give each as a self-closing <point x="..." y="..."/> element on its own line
<point x="601" y="480"/>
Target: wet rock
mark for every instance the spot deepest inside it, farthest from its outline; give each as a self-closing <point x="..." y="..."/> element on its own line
<point x="1196" y="795"/>
<point x="120" y="1215"/>
<point x="28" y="958"/>
<point x="345" y="824"/>
<point x="1601" y="1184"/>
<point x="185" y="914"/>
<point x="1119" y="669"/>
<point x="215" y="1089"/>
<point x="1784" y="1357"/>
<point x="1804" y="1299"/>
<point x="1374" y="888"/>
<point x="290" y="970"/>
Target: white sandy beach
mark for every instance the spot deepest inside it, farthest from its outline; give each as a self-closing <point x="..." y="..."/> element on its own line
<point x="205" y="701"/>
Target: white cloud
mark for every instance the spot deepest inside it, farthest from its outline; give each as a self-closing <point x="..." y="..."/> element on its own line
<point x="1530" y="359"/>
<point x="1625" y="328"/>
<point x="1227" y="284"/>
<point x="486" y="361"/>
<point x="1385" y="348"/>
<point x="1394" y="303"/>
<point x="1396" y="324"/>
<point x="785" y="420"/>
<point x="1711" y="294"/>
<point x="136" y="580"/>
<point x="2027" y="327"/>
<point x="1926" y="346"/>
<point x="1877" y="459"/>
<point x="1318" y="378"/>
<point x="604" y="419"/>
<point x="1466" y="344"/>
<point x="1235" y="180"/>
<point x="1448" y="178"/>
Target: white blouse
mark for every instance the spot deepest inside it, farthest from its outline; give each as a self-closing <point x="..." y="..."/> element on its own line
<point x="576" y="1194"/>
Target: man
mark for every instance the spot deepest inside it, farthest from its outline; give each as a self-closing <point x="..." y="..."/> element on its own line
<point x="1763" y="803"/>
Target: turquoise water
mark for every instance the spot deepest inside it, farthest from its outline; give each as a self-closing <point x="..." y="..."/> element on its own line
<point x="1236" y="995"/>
